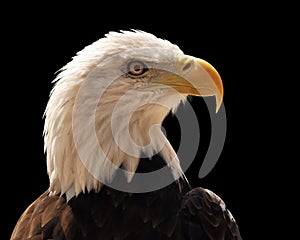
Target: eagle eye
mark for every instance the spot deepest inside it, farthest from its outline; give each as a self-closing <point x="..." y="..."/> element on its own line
<point x="136" y="68"/>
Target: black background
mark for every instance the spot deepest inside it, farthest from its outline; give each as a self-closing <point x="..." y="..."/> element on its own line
<point x="41" y="41"/>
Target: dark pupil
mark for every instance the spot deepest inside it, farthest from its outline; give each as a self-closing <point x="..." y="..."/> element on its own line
<point x="137" y="68"/>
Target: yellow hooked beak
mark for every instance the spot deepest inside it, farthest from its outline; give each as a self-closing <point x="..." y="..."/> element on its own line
<point x="195" y="77"/>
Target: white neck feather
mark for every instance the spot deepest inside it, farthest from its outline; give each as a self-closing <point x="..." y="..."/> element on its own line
<point x="66" y="170"/>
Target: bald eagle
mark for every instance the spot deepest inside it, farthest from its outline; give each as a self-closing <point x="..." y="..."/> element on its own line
<point x="105" y="147"/>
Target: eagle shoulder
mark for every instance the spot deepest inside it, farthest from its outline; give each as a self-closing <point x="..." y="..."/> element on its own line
<point x="206" y="216"/>
<point x="48" y="217"/>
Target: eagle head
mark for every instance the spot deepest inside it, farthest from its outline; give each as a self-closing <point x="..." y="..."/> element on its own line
<point x="107" y="106"/>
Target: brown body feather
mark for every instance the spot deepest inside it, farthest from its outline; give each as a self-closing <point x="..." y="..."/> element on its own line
<point x="110" y="214"/>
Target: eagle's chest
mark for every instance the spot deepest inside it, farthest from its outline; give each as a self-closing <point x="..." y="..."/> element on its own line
<point x="112" y="214"/>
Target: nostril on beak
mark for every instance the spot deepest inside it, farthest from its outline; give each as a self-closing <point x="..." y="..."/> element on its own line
<point x="186" y="67"/>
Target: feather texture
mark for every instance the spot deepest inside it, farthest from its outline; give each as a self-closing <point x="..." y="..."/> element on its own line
<point x="110" y="214"/>
<point x="75" y="101"/>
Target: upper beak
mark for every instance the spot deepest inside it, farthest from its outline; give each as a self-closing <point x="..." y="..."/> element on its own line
<point x="195" y="77"/>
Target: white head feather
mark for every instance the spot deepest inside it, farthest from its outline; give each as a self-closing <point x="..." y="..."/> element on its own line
<point x="66" y="170"/>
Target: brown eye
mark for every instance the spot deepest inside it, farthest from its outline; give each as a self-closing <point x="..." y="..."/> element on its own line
<point x="136" y="68"/>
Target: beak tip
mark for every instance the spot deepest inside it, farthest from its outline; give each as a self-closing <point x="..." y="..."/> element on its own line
<point x="219" y="100"/>
<point x="218" y="108"/>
